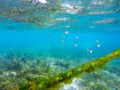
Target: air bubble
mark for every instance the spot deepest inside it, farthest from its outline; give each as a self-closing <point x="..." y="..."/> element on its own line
<point x="66" y="32"/>
<point x="75" y="44"/>
<point x="76" y="37"/>
<point x="97" y="41"/>
<point x="98" y="45"/>
<point x="91" y="51"/>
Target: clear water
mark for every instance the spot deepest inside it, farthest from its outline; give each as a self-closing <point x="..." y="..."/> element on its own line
<point x="58" y="34"/>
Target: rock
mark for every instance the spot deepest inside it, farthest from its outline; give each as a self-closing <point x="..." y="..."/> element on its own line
<point x="13" y="73"/>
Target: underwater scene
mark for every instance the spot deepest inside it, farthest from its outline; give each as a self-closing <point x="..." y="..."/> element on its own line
<point x="59" y="44"/>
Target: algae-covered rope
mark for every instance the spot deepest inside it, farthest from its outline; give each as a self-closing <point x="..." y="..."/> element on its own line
<point x="45" y="84"/>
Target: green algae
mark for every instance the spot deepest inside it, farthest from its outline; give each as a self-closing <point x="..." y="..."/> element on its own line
<point x="54" y="83"/>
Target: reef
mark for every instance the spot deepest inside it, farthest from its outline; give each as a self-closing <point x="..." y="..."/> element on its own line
<point x="53" y="83"/>
<point x="36" y="70"/>
<point x="18" y="67"/>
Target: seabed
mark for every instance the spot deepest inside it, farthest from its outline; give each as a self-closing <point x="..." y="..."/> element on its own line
<point x="25" y="71"/>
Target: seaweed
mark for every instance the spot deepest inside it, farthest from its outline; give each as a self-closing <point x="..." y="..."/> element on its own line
<point x="53" y="83"/>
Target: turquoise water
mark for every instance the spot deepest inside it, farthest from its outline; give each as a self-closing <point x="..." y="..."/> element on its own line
<point x="42" y="38"/>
